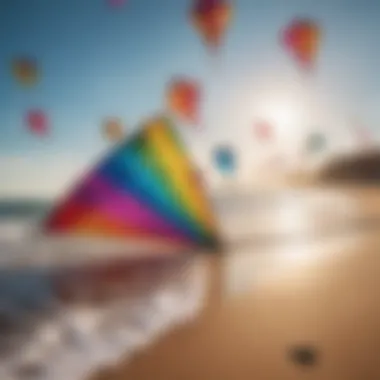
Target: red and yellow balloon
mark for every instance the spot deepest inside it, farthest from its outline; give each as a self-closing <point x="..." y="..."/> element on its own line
<point x="37" y="122"/>
<point x="211" y="19"/>
<point x="183" y="98"/>
<point x="25" y="71"/>
<point x="302" y="39"/>
<point x="113" y="129"/>
<point x="263" y="130"/>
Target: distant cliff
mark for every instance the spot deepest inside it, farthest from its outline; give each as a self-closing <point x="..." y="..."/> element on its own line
<point x="361" y="167"/>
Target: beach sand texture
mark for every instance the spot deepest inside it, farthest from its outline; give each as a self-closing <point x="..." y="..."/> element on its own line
<point x="317" y="287"/>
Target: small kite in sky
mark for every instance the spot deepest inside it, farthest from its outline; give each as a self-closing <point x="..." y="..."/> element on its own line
<point x="145" y="189"/>
<point x="224" y="159"/>
<point x="211" y="19"/>
<point x="113" y="129"/>
<point x="301" y="38"/>
<point x="25" y="71"/>
<point x="37" y="122"/>
<point x="183" y="99"/>
<point x="263" y="131"/>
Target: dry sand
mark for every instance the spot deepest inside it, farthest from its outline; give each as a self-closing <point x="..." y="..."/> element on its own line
<point x="323" y="293"/>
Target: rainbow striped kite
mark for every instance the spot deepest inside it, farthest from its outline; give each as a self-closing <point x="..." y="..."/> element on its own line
<point x="146" y="188"/>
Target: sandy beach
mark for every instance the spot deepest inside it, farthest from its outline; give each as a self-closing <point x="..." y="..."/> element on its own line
<point x="315" y="285"/>
<point x="300" y="271"/>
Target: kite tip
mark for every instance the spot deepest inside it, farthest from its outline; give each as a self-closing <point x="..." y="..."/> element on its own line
<point x="215" y="245"/>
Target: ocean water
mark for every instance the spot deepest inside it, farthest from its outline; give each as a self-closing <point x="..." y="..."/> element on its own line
<point x="57" y="323"/>
<point x="65" y="323"/>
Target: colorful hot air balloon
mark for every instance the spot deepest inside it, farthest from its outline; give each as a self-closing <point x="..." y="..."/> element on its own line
<point x="183" y="98"/>
<point x="25" y="71"/>
<point x="263" y="130"/>
<point x="211" y="18"/>
<point x="302" y="39"/>
<point x="37" y="122"/>
<point x="113" y="130"/>
<point x="224" y="158"/>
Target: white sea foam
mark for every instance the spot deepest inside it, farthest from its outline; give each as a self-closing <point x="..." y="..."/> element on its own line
<point x="70" y="341"/>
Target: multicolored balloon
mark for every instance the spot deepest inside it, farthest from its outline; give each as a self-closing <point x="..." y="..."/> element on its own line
<point x="263" y="130"/>
<point x="302" y="39"/>
<point x="211" y="19"/>
<point x="113" y="129"/>
<point x="37" y="122"/>
<point x="25" y="71"/>
<point x="225" y="159"/>
<point x="183" y="99"/>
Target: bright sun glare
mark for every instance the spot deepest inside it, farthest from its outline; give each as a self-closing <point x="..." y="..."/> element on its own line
<point x="284" y="115"/>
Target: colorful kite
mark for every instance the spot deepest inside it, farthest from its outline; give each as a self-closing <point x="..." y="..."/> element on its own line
<point x="302" y="39"/>
<point x="146" y="189"/>
<point x="37" y="122"/>
<point x="25" y="71"/>
<point x="113" y="130"/>
<point x="211" y="18"/>
<point x="183" y="98"/>
<point x="224" y="158"/>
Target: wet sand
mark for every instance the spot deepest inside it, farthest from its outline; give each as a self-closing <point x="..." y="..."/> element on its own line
<point x="316" y="283"/>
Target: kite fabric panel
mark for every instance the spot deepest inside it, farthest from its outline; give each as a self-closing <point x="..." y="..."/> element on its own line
<point x="146" y="188"/>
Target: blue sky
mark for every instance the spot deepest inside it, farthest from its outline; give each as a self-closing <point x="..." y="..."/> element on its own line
<point x="98" y="62"/>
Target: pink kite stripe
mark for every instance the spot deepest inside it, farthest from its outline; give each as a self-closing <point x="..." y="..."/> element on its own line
<point x="124" y="208"/>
